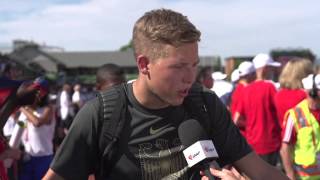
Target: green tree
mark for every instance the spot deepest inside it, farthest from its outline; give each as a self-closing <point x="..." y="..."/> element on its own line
<point x="126" y="47"/>
<point x="303" y="53"/>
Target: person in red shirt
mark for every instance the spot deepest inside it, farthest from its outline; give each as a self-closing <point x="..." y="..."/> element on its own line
<point x="258" y="110"/>
<point x="246" y="72"/>
<point x="291" y="92"/>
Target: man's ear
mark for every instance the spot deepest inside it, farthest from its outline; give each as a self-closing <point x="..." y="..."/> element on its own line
<point x="143" y="62"/>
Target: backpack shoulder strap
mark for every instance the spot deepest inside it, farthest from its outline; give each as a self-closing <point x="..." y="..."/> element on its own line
<point x="113" y="109"/>
<point x="197" y="103"/>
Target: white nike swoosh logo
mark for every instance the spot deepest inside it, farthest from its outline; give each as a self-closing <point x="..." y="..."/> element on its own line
<point x="155" y="131"/>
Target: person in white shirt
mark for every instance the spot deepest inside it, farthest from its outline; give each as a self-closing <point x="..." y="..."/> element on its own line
<point x="66" y="109"/>
<point x="222" y="87"/>
<point x="77" y="98"/>
<point x="37" y="139"/>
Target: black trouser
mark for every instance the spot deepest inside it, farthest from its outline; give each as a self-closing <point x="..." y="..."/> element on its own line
<point x="271" y="158"/>
<point x="66" y="123"/>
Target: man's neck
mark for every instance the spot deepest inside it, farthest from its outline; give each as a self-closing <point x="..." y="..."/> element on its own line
<point x="260" y="74"/>
<point x="146" y="97"/>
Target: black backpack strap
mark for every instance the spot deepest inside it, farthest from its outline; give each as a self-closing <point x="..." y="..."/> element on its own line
<point x="113" y="109"/>
<point x="197" y="105"/>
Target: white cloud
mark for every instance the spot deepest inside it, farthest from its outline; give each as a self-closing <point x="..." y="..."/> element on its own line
<point x="228" y="27"/>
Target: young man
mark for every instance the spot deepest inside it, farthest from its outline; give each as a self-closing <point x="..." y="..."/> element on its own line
<point x="166" y="51"/>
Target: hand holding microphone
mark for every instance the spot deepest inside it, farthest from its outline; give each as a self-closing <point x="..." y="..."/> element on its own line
<point x="223" y="174"/>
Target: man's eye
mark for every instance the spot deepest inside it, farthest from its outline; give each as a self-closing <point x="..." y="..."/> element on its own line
<point x="178" y="66"/>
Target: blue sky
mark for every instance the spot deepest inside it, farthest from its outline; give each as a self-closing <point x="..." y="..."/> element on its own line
<point x="228" y="27"/>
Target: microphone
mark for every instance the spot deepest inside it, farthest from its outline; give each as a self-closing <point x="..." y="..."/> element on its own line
<point x="200" y="151"/>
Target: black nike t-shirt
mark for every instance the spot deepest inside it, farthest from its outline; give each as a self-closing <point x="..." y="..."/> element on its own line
<point x="149" y="145"/>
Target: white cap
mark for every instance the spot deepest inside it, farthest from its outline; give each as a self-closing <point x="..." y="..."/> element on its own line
<point x="131" y="81"/>
<point x="52" y="96"/>
<point x="307" y="82"/>
<point x="218" y="75"/>
<point x="262" y="60"/>
<point x="245" y="68"/>
<point x="235" y="75"/>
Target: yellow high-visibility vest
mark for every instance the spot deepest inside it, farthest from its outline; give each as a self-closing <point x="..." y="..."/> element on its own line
<point x="307" y="146"/>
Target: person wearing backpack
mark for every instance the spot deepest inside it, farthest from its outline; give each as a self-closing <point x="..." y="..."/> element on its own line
<point x="130" y="130"/>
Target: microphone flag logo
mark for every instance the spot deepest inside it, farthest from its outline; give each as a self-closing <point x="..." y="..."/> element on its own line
<point x="208" y="149"/>
<point x="199" y="151"/>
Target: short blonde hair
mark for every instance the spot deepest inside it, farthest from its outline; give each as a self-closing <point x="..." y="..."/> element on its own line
<point x="293" y="73"/>
<point x="161" y="27"/>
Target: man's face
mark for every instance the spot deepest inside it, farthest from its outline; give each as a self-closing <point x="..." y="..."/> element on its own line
<point x="170" y="78"/>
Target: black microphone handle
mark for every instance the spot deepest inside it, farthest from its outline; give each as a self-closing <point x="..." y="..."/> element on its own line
<point x="208" y="174"/>
<point x="206" y="166"/>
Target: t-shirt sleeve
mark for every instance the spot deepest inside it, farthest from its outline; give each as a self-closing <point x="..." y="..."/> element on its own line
<point x="230" y="144"/>
<point x="289" y="133"/>
<point x="77" y="155"/>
